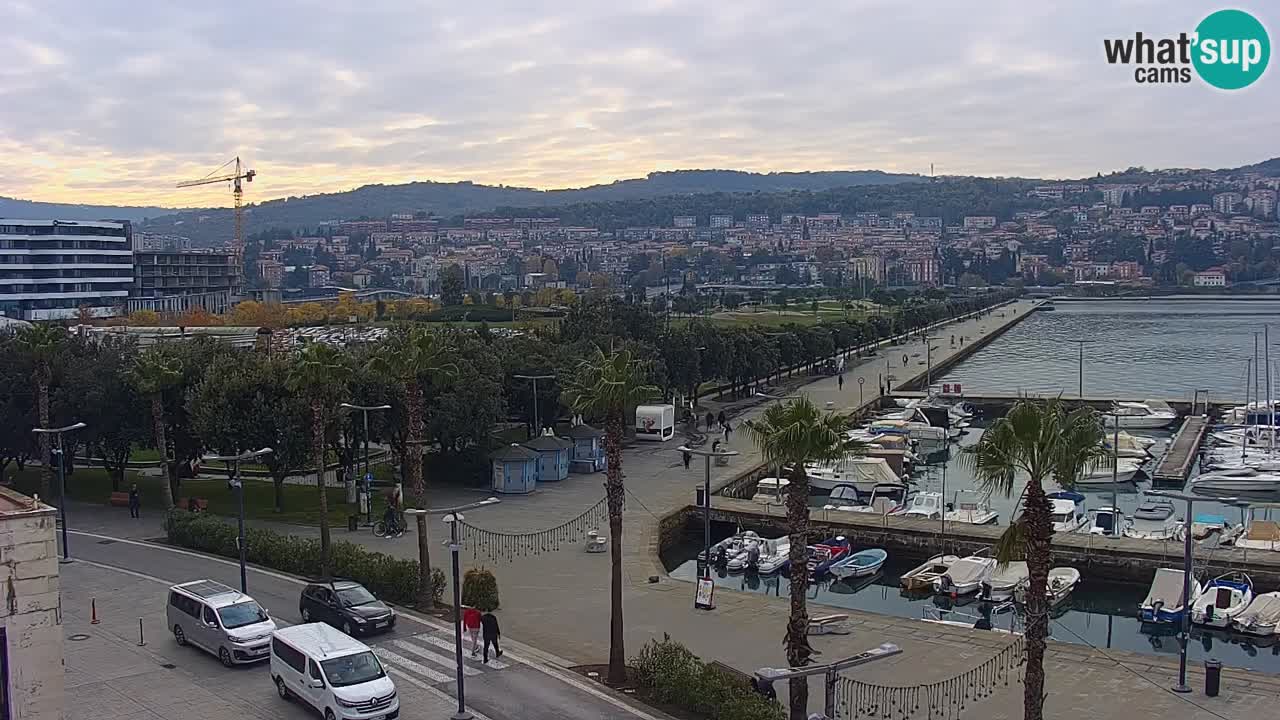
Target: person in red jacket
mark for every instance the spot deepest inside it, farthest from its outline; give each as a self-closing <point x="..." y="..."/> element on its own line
<point x="471" y="621"/>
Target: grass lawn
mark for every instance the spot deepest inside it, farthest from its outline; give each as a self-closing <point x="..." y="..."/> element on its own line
<point x="301" y="502"/>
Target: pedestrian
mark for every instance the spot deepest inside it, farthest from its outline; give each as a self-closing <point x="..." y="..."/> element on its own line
<point x="720" y="418"/>
<point x="710" y="419"/>
<point x="193" y="505"/>
<point x="135" y="502"/>
<point x="684" y="454"/>
<point x="840" y="382"/>
<point x="491" y="634"/>
<point x="471" y="621"/>
<point x="728" y="430"/>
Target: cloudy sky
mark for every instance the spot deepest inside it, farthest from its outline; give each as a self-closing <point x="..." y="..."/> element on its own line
<point x="113" y="101"/>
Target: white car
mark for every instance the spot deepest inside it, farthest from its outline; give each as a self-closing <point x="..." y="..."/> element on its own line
<point x="335" y="674"/>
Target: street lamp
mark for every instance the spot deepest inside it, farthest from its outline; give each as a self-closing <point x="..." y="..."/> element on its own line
<point x="1182" y="686"/>
<point x="368" y="476"/>
<point x="537" y="424"/>
<point x="765" y="677"/>
<point x="233" y="481"/>
<point x="1080" y="390"/>
<point x="928" y="361"/>
<point x="715" y="452"/>
<point x="62" y="481"/>
<point x="453" y="516"/>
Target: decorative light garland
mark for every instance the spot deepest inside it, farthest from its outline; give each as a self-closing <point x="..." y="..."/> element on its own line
<point x="943" y="700"/>
<point x="497" y="546"/>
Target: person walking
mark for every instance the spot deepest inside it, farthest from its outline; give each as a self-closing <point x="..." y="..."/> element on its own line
<point x="720" y="418"/>
<point x="688" y="458"/>
<point x="710" y="419"/>
<point x="840" y="382"/>
<point x="135" y="502"/>
<point x="471" y="623"/>
<point x="489" y="624"/>
<point x="728" y="430"/>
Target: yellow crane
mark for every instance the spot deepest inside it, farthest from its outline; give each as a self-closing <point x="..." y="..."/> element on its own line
<point x="237" y="191"/>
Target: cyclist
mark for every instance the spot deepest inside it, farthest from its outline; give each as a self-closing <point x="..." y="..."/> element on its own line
<point x="391" y="518"/>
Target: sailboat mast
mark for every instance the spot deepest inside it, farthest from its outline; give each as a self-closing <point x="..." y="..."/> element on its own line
<point x="1271" y="415"/>
<point x="1244" y="436"/>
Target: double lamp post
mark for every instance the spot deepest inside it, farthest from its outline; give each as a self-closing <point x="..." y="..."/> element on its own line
<point x="62" y="480"/>
<point x="233" y="482"/>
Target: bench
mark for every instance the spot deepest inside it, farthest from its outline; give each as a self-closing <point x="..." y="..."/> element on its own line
<point x="119" y="499"/>
<point x="828" y="625"/>
<point x="201" y="504"/>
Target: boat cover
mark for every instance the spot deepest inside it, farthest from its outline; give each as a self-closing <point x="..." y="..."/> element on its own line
<point x="1264" y="530"/>
<point x="969" y="570"/>
<point x="1153" y="511"/>
<point x="1166" y="589"/>
<point x="1264" y="610"/>
<point x="1009" y="575"/>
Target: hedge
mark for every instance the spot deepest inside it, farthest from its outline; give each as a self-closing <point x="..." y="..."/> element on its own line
<point x="667" y="673"/>
<point x="480" y="589"/>
<point x="389" y="578"/>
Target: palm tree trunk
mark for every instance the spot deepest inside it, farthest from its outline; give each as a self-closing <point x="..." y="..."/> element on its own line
<point x="797" y="638"/>
<point x="162" y="445"/>
<point x="615" y="493"/>
<point x="1039" y="529"/>
<point x="317" y="451"/>
<point x="46" y="454"/>
<point x="418" y="483"/>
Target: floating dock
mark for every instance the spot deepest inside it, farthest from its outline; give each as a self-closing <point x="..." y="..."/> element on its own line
<point x="1175" y="465"/>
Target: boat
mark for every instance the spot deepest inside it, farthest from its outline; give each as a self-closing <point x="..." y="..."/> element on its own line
<point x="925" y="574"/>
<point x="771" y="491"/>
<point x="1061" y="581"/>
<point x="985" y="619"/>
<point x="825" y="554"/>
<point x="769" y="555"/>
<point x="1067" y="511"/>
<point x="926" y="505"/>
<point x="1222" y="599"/>
<point x="965" y="576"/>
<point x="971" y="508"/>
<point x="1164" y="602"/>
<point x="1242" y="479"/>
<point x="884" y="500"/>
<point x="863" y="473"/>
<point x="1153" y="520"/>
<point x="1261" y="617"/>
<point x="1145" y="415"/>
<point x="1105" y="520"/>
<point x="1260" y="535"/>
<point x="725" y="545"/>
<point x="1204" y="525"/>
<point x="860" y="564"/>
<point x="724" y="553"/>
<point x="1129" y="446"/>
<point x="1124" y="471"/>
<point x="1004" y="579"/>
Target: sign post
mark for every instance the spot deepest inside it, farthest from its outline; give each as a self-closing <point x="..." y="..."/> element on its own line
<point x="706" y="589"/>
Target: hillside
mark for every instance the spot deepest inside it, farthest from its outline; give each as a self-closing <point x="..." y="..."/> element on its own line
<point x="449" y="199"/>
<point x="31" y="210"/>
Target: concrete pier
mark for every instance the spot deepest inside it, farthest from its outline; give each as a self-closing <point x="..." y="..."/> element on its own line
<point x="1175" y="464"/>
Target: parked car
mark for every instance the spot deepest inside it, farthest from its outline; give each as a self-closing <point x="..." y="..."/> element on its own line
<point x="219" y="620"/>
<point x="335" y="674"/>
<point x="346" y="605"/>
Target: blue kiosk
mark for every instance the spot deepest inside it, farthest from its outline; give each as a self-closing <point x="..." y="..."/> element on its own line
<point x="587" y="455"/>
<point x="553" y="456"/>
<point x="515" y="470"/>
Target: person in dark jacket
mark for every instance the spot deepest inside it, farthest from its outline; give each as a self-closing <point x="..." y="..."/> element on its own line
<point x="688" y="458"/>
<point x="489" y="627"/>
<point x="720" y="418"/>
<point x="135" y="502"/>
<point x="710" y="419"/>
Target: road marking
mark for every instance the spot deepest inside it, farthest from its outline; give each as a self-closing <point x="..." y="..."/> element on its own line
<point x="437" y="692"/>
<point x="438" y="641"/>
<point x="407" y="664"/>
<point x="449" y="663"/>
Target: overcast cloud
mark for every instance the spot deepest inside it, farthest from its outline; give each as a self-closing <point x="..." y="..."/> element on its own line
<point x="113" y="101"/>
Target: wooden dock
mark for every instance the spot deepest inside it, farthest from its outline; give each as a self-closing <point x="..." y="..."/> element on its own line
<point x="1175" y="465"/>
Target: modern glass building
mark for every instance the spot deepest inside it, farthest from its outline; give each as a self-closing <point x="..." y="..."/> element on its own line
<point x="49" y="269"/>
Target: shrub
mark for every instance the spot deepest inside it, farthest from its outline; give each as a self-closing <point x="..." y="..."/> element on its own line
<point x="666" y="672"/>
<point x="480" y="589"/>
<point x="389" y="578"/>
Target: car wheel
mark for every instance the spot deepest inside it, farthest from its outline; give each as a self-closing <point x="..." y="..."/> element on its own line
<point x="225" y="656"/>
<point x="346" y="628"/>
<point x="179" y="636"/>
<point x="306" y="615"/>
<point x="328" y="714"/>
<point x="280" y="688"/>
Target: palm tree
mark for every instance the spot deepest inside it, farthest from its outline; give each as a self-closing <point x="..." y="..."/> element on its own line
<point x="153" y="373"/>
<point x="1039" y="441"/>
<point x="411" y="357"/>
<point x="320" y="375"/>
<point x="609" y="386"/>
<point x="41" y="344"/>
<point x="789" y="435"/>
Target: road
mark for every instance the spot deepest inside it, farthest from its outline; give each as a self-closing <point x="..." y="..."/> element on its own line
<point x="129" y="579"/>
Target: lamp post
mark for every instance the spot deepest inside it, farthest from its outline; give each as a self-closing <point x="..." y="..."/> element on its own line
<point x="706" y="499"/>
<point x="368" y="476"/>
<point x="928" y="360"/>
<point x="233" y="480"/>
<point x="1080" y="370"/>
<point x="1182" y="686"/>
<point x="537" y="423"/>
<point x="453" y="516"/>
<point x="765" y="677"/>
<point x="62" y="481"/>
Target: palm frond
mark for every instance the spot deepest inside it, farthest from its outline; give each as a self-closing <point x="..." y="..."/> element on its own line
<point x="1011" y="545"/>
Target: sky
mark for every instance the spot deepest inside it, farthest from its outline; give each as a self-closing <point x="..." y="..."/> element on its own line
<point x="113" y="102"/>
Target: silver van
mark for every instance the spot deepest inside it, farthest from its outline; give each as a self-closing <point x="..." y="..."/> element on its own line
<point x="219" y="620"/>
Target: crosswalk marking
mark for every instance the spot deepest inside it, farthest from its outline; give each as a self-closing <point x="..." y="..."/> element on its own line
<point x="434" y="691"/>
<point x="449" y="663"/>
<point x="411" y="666"/>
<point x="448" y="645"/>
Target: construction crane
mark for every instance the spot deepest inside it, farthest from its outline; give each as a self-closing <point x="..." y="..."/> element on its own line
<point x="237" y="191"/>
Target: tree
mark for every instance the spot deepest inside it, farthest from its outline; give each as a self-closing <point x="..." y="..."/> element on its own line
<point x="153" y="374"/>
<point x="609" y="386"/>
<point x="789" y="435"/>
<point x="42" y="345"/>
<point x="412" y="357"/>
<point x="1038" y="441"/>
<point x="97" y="392"/>
<point x="452" y="285"/>
<point x="319" y="374"/>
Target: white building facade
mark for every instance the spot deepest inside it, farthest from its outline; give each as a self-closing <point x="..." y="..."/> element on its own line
<point x="31" y="673"/>
<point x="49" y="269"/>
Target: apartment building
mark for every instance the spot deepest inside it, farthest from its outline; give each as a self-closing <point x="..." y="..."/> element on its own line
<point x="177" y="281"/>
<point x="49" y="269"/>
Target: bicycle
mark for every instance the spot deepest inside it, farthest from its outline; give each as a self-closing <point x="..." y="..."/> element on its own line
<point x="380" y="529"/>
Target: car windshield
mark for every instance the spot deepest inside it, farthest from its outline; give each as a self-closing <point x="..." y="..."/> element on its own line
<point x="352" y="669"/>
<point x="350" y="597"/>
<point x="241" y="614"/>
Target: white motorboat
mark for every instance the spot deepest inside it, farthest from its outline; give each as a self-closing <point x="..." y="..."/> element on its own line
<point x="928" y="437"/>
<point x="1165" y="601"/>
<point x="884" y="500"/>
<point x="1061" y="581"/>
<point x="924" y="575"/>
<point x="860" y="564"/>
<point x="1253" y="413"/>
<point x="1105" y="520"/>
<point x="758" y="550"/>
<point x="926" y="505"/>
<point x="774" y="555"/>
<point x="1237" y="480"/>
<point x="863" y="473"/>
<point x="771" y="491"/>
<point x="1067" y="512"/>
<point x="1146" y="415"/>
<point x="1260" y="535"/>
<point x="1124" y="471"/>
<point x="1153" y="520"/>
<point x="1004" y="580"/>
<point x="731" y="547"/>
<point x="1129" y="446"/>
<point x="1261" y="617"/>
<point x="1221" y="600"/>
<point x="971" y="508"/>
<point x="965" y="576"/>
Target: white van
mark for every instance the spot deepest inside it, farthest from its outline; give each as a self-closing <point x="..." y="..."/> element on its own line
<point x="220" y="620"/>
<point x="334" y="673"/>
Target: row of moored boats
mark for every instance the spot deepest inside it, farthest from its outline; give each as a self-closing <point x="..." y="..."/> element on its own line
<point x="1225" y="602"/>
